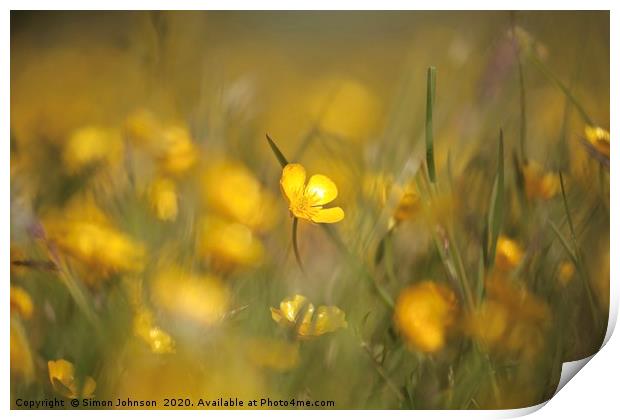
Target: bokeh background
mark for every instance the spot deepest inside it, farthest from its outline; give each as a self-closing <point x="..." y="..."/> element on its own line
<point x="149" y="236"/>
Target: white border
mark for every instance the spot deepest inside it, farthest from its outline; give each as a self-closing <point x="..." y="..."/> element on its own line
<point x="593" y="395"/>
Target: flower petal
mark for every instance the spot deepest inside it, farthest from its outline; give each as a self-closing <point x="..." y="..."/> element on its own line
<point x="293" y="180"/>
<point x="331" y="215"/>
<point x="322" y="188"/>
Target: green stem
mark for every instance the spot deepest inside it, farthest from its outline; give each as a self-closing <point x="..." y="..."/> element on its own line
<point x="295" y="247"/>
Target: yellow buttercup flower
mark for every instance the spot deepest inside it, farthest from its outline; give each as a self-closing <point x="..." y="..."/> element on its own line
<point x="200" y="298"/>
<point x="21" y="302"/>
<point x="163" y="199"/>
<point x="306" y="200"/>
<point x="539" y="183"/>
<point x="176" y="151"/>
<point x="157" y="339"/>
<point x="62" y="378"/>
<point x="423" y="314"/>
<point x="511" y="319"/>
<point x="228" y="244"/>
<point x="231" y="189"/>
<point x="566" y="272"/>
<point x="22" y="364"/>
<point x="92" y="145"/>
<point x="307" y="321"/>
<point x="508" y="253"/>
<point x="598" y="137"/>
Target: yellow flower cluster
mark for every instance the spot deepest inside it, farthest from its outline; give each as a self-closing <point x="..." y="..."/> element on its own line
<point x="199" y="298"/>
<point x="300" y="315"/>
<point x="539" y="184"/>
<point x="599" y="139"/>
<point x="424" y="314"/>
<point x="511" y="320"/>
<point x="84" y="232"/>
<point x="240" y="208"/>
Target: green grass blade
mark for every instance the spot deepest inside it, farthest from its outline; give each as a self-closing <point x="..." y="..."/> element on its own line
<point x="431" y="75"/>
<point x="295" y="246"/>
<point x="277" y="152"/>
<point x="496" y="209"/>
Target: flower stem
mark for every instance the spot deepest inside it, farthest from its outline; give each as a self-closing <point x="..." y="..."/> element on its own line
<point x="295" y="247"/>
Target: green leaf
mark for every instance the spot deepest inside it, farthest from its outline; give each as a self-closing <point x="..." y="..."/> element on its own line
<point x="430" y="102"/>
<point x="276" y="151"/>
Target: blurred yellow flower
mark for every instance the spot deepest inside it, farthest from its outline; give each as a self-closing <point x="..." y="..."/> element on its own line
<point x="20" y="353"/>
<point x="62" y="378"/>
<point x="278" y="355"/>
<point x="142" y="128"/>
<point x="229" y="188"/>
<point x="306" y="201"/>
<point x="598" y="137"/>
<point x="408" y="205"/>
<point x="508" y="253"/>
<point x="307" y="321"/>
<point x="163" y="199"/>
<point x="539" y="184"/>
<point x="157" y="339"/>
<point x="83" y="231"/>
<point x="423" y="314"/>
<point x="566" y="272"/>
<point x="510" y="320"/>
<point x="228" y="244"/>
<point x="21" y="302"/>
<point x="102" y="248"/>
<point x="92" y="145"/>
<point x="176" y="152"/>
<point x="200" y="298"/>
<point x="346" y="109"/>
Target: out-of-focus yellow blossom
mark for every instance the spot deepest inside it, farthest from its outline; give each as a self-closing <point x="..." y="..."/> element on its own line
<point x="347" y="109"/>
<point x="539" y="184"/>
<point x="566" y="272"/>
<point x="508" y="253"/>
<point x="278" y="355"/>
<point x="157" y="339"/>
<point x="510" y="320"/>
<point x="21" y="355"/>
<point x="21" y="302"/>
<point x="92" y="145"/>
<point x="62" y="378"/>
<point x="100" y="247"/>
<point x="424" y="313"/>
<point x="306" y="200"/>
<point x="142" y="128"/>
<point x="230" y="188"/>
<point x="85" y="233"/>
<point x="307" y="321"/>
<point x="163" y="199"/>
<point x="228" y="244"/>
<point x="598" y="137"/>
<point x="408" y="205"/>
<point x="176" y="152"/>
<point x="200" y="298"/>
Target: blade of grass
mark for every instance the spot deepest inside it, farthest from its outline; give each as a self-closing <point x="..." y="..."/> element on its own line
<point x="577" y="254"/>
<point x="522" y="120"/>
<point x="430" y="102"/>
<point x="496" y="209"/>
<point x="543" y="68"/>
<point x="276" y="151"/>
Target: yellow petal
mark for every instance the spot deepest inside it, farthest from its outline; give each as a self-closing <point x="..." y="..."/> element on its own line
<point x="332" y="215"/>
<point x="88" y="389"/>
<point x="321" y="190"/>
<point x="293" y="180"/>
